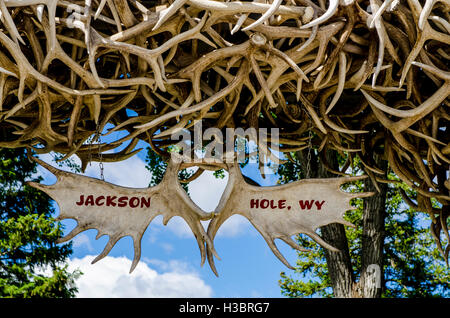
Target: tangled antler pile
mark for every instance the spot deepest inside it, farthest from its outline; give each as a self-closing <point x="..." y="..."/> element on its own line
<point x="366" y="76"/>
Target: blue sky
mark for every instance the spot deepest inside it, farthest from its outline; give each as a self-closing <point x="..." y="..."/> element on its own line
<point x="170" y="261"/>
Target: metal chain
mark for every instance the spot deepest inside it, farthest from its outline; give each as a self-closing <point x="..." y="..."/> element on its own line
<point x="97" y="138"/>
<point x="91" y="140"/>
<point x="100" y="155"/>
<point x="308" y="158"/>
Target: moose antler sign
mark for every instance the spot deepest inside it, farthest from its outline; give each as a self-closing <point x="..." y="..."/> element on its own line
<point x="276" y="212"/>
<point x="285" y="210"/>
<point x="119" y="211"/>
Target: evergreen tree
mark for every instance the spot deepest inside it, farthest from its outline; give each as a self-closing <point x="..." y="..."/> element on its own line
<point x="393" y="236"/>
<point x="411" y="263"/>
<point x="28" y="234"/>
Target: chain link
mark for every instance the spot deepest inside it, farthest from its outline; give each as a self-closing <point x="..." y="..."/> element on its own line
<point x="97" y="137"/>
<point x="91" y="140"/>
<point x="100" y="155"/>
<point x="308" y="158"/>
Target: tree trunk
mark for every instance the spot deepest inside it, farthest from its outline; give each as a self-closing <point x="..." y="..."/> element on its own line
<point x="339" y="263"/>
<point x="374" y="214"/>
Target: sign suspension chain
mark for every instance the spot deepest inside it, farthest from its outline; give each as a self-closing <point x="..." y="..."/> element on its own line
<point x="97" y="137"/>
<point x="100" y="155"/>
<point x="308" y="158"/>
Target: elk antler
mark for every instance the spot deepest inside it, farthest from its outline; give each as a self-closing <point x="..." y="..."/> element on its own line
<point x="283" y="211"/>
<point x="70" y="68"/>
<point x="119" y="211"/>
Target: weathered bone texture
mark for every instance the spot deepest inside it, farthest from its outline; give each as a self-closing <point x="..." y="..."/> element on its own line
<point x="286" y="210"/>
<point x="167" y="198"/>
<point x="362" y="80"/>
<point x="118" y="211"/>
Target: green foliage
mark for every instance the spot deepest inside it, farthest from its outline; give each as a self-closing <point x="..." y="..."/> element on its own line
<point x="312" y="268"/>
<point x="157" y="167"/>
<point x="290" y="171"/>
<point x="219" y="174"/>
<point x="69" y="162"/>
<point x="413" y="266"/>
<point x="31" y="264"/>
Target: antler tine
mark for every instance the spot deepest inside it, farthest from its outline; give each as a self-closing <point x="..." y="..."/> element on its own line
<point x="77" y="230"/>
<point x="426" y="10"/>
<point x="288" y="217"/>
<point x="196" y="214"/>
<point x="103" y="209"/>
<point x="221" y="214"/>
<point x="434" y="70"/>
<point x="47" y="166"/>
<point x="170" y="64"/>
<point x="333" y="6"/>
<point x="380" y="11"/>
<point x="239" y="23"/>
<point x="99" y="9"/>
<point x="111" y="242"/>
<point x="137" y="254"/>
<point x="273" y="7"/>
<point x="270" y="242"/>
<point x="321" y="242"/>
<point x="427" y="33"/>
<point x="164" y="15"/>
<point x="288" y="240"/>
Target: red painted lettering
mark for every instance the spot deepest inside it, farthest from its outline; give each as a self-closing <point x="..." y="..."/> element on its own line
<point x="307" y="204"/>
<point x="100" y="198"/>
<point x="272" y="204"/>
<point x="264" y="204"/>
<point x="145" y="202"/>
<point x="89" y="200"/>
<point x="110" y="200"/>
<point x="254" y="203"/>
<point x="134" y="202"/>
<point x="81" y="200"/>
<point x="319" y="205"/>
<point x="122" y="201"/>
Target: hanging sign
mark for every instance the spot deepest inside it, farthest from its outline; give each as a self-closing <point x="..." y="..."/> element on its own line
<point x="276" y="212"/>
<point x="120" y="211"/>
<point x="285" y="210"/>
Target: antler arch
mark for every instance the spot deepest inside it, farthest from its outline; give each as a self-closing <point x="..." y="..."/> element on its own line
<point x="67" y="69"/>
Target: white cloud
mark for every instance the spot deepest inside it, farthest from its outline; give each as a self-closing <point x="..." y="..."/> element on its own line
<point x="234" y="226"/>
<point x="168" y="266"/>
<point x="206" y="190"/>
<point x="110" y="278"/>
<point x="168" y="248"/>
<point x="126" y="173"/>
<point x="82" y="240"/>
